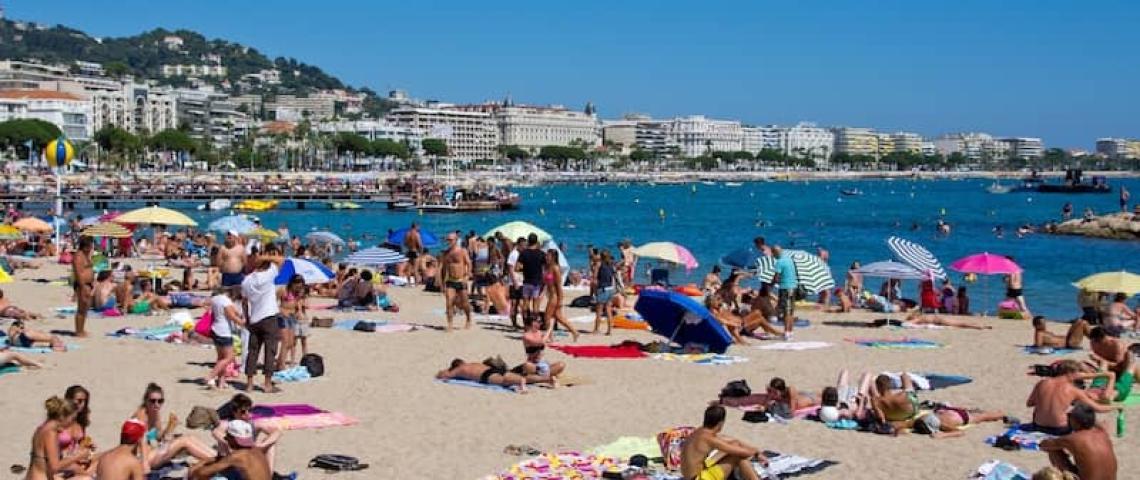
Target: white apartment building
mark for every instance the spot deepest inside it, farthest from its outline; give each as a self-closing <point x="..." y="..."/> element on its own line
<point x="697" y="135"/>
<point x="805" y="140"/>
<point x="181" y="70"/>
<point x="534" y="127"/>
<point x="653" y="136"/>
<point x="1025" y="148"/>
<point x="135" y="107"/>
<point x="907" y="142"/>
<point x="70" y="112"/>
<point x="1118" y="148"/>
<point x="18" y="70"/>
<point x="13" y="109"/>
<point x="753" y="139"/>
<point x="292" y="108"/>
<point x="856" y="141"/>
<point x="469" y="135"/>
<point x="972" y="145"/>
<point x="211" y="115"/>
<point x="376" y="130"/>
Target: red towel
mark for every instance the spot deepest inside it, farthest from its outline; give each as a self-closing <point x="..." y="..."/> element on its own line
<point x="601" y="351"/>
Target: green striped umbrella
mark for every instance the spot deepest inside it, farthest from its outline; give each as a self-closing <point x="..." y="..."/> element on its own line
<point x="813" y="273"/>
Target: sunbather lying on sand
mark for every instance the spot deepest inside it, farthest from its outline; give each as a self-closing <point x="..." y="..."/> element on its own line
<point x="11" y="311"/>
<point x="19" y="335"/>
<point x="1042" y="337"/>
<point x="481" y="373"/>
<point x="918" y="318"/>
<point x="22" y="360"/>
<point x="535" y="368"/>
<point x="784" y="399"/>
<point x="844" y="401"/>
<point x="894" y="406"/>
<point x="946" y="421"/>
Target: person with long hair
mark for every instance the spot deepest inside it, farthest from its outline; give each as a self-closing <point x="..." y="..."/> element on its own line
<point x="167" y="447"/>
<point x="47" y="461"/>
<point x="554" y="296"/>
<point x="290" y="298"/>
<point x="604" y="286"/>
<point x="226" y="315"/>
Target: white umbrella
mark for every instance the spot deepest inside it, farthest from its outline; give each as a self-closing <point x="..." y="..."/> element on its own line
<point x="375" y="256"/>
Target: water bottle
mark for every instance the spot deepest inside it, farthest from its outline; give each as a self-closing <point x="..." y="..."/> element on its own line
<point x="1120" y="423"/>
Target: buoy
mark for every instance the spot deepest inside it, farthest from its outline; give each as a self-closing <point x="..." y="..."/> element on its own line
<point x="542" y="212"/>
<point x="661" y="213"/>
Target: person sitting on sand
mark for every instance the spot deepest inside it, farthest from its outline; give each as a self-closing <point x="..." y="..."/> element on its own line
<point x="917" y="317"/>
<point x="246" y="459"/>
<point x="946" y="421"/>
<point x="1052" y="397"/>
<point x="103" y="296"/>
<point x="19" y="335"/>
<point x="712" y="281"/>
<point x="8" y="310"/>
<point x="242" y="408"/>
<point x="1087" y="451"/>
<point x="1120" y="317"/>
<point x="166" y="446"/>
<point x="1112" y="354"/>
<point x="894" y="406"/>
<point x="482" y="373"/>
<point x="762" y="313"/>
<point x="47" y="462"/>
<point x="784" y="400"/>
<point x="732" y="456"/>
<point x="1072" y="339"/>
<point x="844" y="401"/>
<point x="732" y="323"/>
<point x="123" y="461"/>
<point x="535" y="368"/>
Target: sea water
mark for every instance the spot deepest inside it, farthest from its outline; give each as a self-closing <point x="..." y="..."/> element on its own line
<point x="713" y="220"/>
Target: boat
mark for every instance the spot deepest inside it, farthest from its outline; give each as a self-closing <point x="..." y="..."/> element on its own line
<point x="733" y="184"/>
<point x="999" y="188"/>
<point x="214" y="205"/>
<point x="344" y="206"/>
<point x="851" y="192"/>
<point x="1072" y="184"/>
<point x="255" y="205"/>
<point x="708" y="183"/>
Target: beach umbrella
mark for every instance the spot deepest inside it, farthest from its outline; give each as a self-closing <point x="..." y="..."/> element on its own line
<point x="312" y="272"/>
<point x="32" y="224"/>
<point x="669" y="252"/>
<point x="8" y="232"/>
<point x="516" y="229"/>
<point x="1111" y="282"/>
<point x="427" y="238"/>
<point x="986" y="264"/>
<point x="916" y="256"/>
<point x="744" y="259"/>
<point x="238" y="223"/>
<point x="156" y="216"/>
<point x="89" y="221"/>
<point x="107" y="229"/>
<point x="263" y="234"/>
<point x="813" y="273"/>
<point x="375" y="256"/>
<point x="682" y="319"/>
<point x="891" y="269"/>
<point x="324" y="237"/>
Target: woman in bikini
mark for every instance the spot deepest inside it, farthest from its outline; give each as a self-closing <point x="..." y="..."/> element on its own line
<point x="536" y="369"/>
<point x="47" y="462"/>
<point x="1120" y="317"/>
<point x="166" y="445"/>
<point x="8" y="310"/>
<point x="784" y="400"/>
<point x="19" y="335"/>
<point x="74" y="439"/>
<point x="290" y="298"/>
<point x="553" y="280"/>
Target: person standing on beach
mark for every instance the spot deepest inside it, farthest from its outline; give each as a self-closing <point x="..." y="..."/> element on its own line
<point x="454" y="275"/>
<point x="231" y="260"/>
<point x="628" y="262"/>
<point x="1014" y="290"/>
<point x="263" y="317"/>
<point x="514" y="277"/>
<point x="414" y="246"/>
<point x="787" y="281"/>
<point x="83" y="273"/>
<point x="531" y="261"/>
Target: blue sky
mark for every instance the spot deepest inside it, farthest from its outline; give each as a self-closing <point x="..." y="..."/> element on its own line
<point x="1063" y="70"/>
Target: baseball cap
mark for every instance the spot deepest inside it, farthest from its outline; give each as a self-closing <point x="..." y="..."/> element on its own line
<point x="241" y="432"/>
<point x="829" y="414"/>
<point x="232" y="233"/>
<point x="132" y="432"/>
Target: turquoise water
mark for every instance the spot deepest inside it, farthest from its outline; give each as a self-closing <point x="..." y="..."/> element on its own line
<point x="714" y="220"/>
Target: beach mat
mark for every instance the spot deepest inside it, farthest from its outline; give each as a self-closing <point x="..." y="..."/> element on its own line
<point x="1027" y="440"/>
<point x="625" y="447"/>
<point x="928" y="381"/>
<point x="9" y="368"/>
<point x="782" y="465"/>
<point x="793" y="346"/>
<point x="905" y="343"/>
<point x="799" y="323"/>
<point x="1030" y="349"/>
<point x="601" y="351"/>
<point x="296" y="374"/>
<point x="699" y="358"/>
<point x="304" y="422"/>
<point x="4" y="345"/>
<point x="998" y="470"/>
<point x="562" y="465"/>
<point x="473" y="384"/>
<point x="382" y="326"/>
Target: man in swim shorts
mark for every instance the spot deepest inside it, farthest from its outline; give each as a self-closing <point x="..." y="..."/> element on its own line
<point x="482" y="373"/>
<point x="733" y="456"/>
<point x="1052" y="397"/>
<point x="231" y="260"/>
<point x="1113" y="355"/>
<point x="454" y="274"/>
<point x="787" y="281"/>
<point x="532" y="261"/>
<point x="894" y="406"/>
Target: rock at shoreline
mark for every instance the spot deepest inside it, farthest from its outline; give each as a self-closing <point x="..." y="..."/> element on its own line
<point x="1116" y="226"/>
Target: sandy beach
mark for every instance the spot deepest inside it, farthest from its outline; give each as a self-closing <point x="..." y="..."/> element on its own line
<point x="411" y="426"/>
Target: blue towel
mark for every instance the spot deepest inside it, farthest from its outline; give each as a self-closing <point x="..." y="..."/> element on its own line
<point x="484" y="386"/>
<point x="348" y="324"/>
<point x="938" y="380"/>
<point x="1027" y="440"/>
<point x="9" y="368"/>
<point x="800" y="323"/>
<point x="4" y="343"/>
<point x="292" y="375"/>
<point x="1030" y="349"/>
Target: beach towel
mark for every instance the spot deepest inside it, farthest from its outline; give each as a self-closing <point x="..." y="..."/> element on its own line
<point x="4" y="345"/>
<point x="626" y="447"/>
<point x="271" y="410"/>
<point x="382" y="326"/>
<point x="928" y="381"/>
<point x="302" y="422"/>
<point x="700" y="358"/>
<point x="1027" y="440"/>
<point x="625" y="350"/>
<point x="68" y="310"/>
<point x="800" y="323"/>
<point x="9" y="368"/>
<point x="793" y="346"/>
<point x="473" y="384"/>
<point x="904" y="343"/>
<point x="998" y="470"/>
<point x="560" y="465"/>
<point x="781" y="465"/>
<point x="292" y="375"/>
<point x="1030" y="349"/>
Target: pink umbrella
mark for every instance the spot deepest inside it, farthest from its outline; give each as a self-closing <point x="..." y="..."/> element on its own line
<point x="986" y="264"/>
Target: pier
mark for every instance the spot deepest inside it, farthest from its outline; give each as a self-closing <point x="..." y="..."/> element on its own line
<point x="105" y="200"/>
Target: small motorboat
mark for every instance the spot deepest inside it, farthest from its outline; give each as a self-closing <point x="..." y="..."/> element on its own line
<point x="215" y="205"/>
<point x="851" y="192"/>
<point x="708" y="183"/>
<point x="255" y="205"/>
<point x="999" y="188"/>
<point x="344" y="206"/>
<point x="733" y="184"/>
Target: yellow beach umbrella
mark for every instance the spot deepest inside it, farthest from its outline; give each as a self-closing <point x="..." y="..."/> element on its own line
<point x="156" y="216"/>
<point x="262" y="234"/>
<point x="107" y="229"/>
<point x="1111" y="282"/>
<point x="8" y="232"/>
<point x="32" y="224"/>
<point x="516" y="229"/>
<point x="5" y="277"/>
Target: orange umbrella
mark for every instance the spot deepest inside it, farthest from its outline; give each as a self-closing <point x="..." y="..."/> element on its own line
<point x="32" y="224"/>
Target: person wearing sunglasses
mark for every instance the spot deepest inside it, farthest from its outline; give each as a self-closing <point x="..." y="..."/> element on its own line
<point x="167" y="445"/>
<point x="265" y="436"/>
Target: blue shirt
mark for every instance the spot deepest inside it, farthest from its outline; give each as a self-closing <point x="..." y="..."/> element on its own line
<point x="787" y="271"/>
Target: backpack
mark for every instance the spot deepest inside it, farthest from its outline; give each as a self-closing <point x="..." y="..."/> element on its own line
<point x="336" y="463"/>
<point x="670" y="441"/>
<point x="585" y="301"/>
<point x="364" y="326"/>
<point x="736" y="388"/>
<point x="314" y="364"/>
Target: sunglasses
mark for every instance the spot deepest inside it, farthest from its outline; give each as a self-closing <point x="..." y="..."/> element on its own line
<point x="156" y="401"/>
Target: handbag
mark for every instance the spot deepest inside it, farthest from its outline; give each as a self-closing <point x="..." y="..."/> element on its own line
<point x="205" y="324"/>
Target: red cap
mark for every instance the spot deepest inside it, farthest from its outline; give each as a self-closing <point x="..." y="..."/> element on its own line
<point x="132" y="432"/>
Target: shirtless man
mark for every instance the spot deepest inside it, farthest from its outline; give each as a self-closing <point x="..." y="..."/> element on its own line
<point x="1013" y="289"/>
<point x="1113" y="355"/>
<point x="478" y="372"/>
<point x="231" y="260"/>
<point x="1072" y="339"/>
<point x="122" y="462"/>
<point x="891" y="406"/>
<point x="83" y="273"/>
<point x="1052" y="397"/>
<point x="453" y="277"/>
<point x="918" y="318"/>
<point x="245" y="457"/>
<point x="733" y="455"/>
<point x="414" y="246"/>
<point x="1087" y="451"/>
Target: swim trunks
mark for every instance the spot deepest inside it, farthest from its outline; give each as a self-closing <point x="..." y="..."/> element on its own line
<point x="515" y="293"/>
<point x="1123" y="385"/>
<point x="712" y="471"/>
<point x="456" y="285"/>
<point x="1013" y="292"/>
<point x="486" y="376"/>
<point x="141" y="306"/>
<point x="786" y="303"/>
<point x="232" y="279"/>
<point x="531" y="291"/>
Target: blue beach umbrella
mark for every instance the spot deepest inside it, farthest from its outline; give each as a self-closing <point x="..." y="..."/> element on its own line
<point x="375" y="257"/>
<point x="744" y="259"/>
<point x="427" y="238"/>
<point x="238" y="223"/>
<point x="311" y="271"/>
<point x="682" y="319"/>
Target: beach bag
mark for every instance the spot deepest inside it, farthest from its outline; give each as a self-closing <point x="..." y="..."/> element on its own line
<point x="314" y="363"/>
<point x="496" y="363"/>
<point x="671" y="441"/>
<point x="736" y="389"/>
<point x="364" y="326"/>
<point x="585" y="301"/>
<point x="321" y="322"/>
<point x="336" y="463"/>
<point x="202" y="418"/>
<point x="205" y="324"/>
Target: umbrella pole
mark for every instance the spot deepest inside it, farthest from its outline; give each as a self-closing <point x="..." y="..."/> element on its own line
<point x="677" y="330"/>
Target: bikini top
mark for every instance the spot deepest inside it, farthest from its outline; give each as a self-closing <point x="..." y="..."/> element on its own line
<point x="65" y="440"/>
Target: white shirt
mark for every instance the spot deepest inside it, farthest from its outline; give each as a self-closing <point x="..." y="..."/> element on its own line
<point x="259" y="289"/>
<point x="221" y="326"/>
<point x="512" y="259"/>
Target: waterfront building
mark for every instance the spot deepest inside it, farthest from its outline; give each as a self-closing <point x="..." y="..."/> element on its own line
<point x="1025" y="148"/>
<point x="972" y="145"/>
<point x="211" y="116"/>
<point x="907" y="142"/>
<point x="135" y="107"/>
<point x="376" y="130"/>
<point x="806" y="140"/>
<point x="696" y="135"/>
<point x="652" y="136"/>
<point x="294" y="108"/>
<point x="753" y="139"/>
<point x="884" y="145"/>
<point x="469" y="135"/>
<point x="929" y="149"/>
<point x="622" y="134"/>
<point x="70" y="112"/>
<point x="856" y="141"/>
<point x="532" y="127"/>
<point x="1118" y="148"/>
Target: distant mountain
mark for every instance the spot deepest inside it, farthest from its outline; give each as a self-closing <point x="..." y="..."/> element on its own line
<point x="144" y="55"/>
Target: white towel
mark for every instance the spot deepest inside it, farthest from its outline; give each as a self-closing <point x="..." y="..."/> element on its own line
<point x="793" y="345"/>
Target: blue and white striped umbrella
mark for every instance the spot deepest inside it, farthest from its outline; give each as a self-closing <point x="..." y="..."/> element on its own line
<point x="311" y="271"/>
<point x="811" y="271"/>
<point x="323" y="237"/>
<point x="916" y="256"/>
<point x="891" y="269"/>
<point x="238" y="223"/>
<point x="376" y="257"/>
